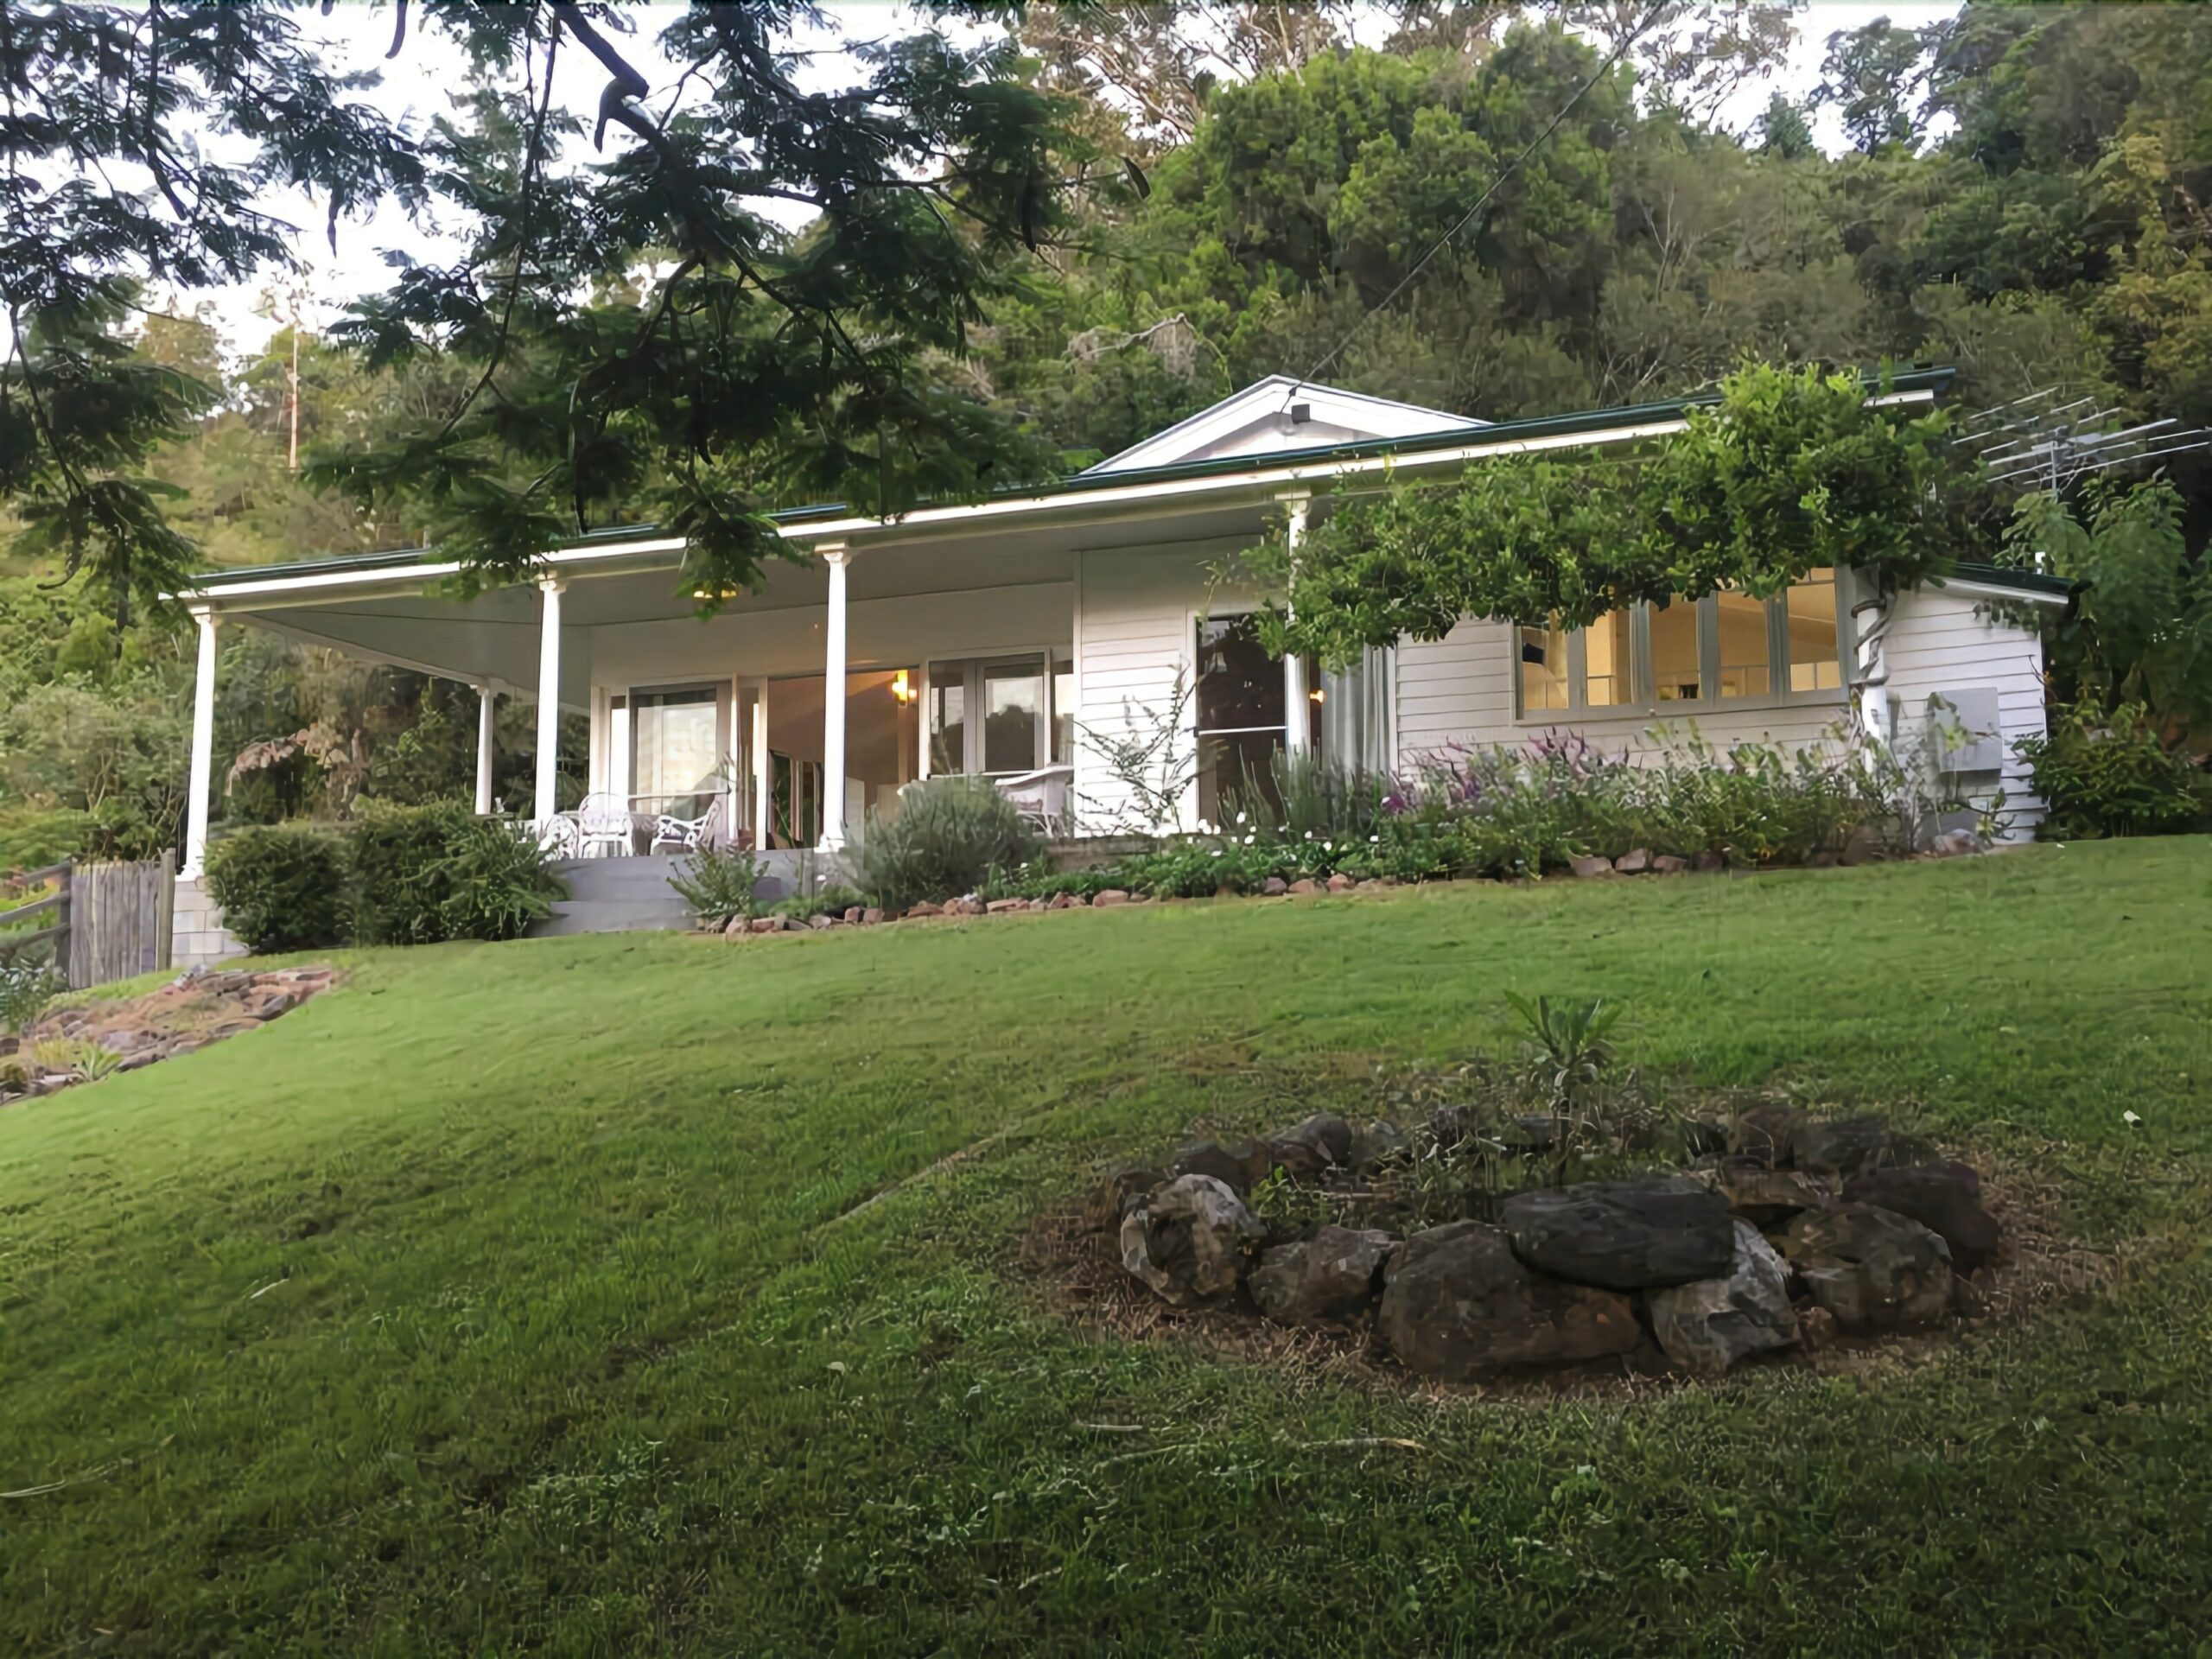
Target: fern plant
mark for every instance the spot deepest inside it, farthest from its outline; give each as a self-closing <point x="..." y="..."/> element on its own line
<point x="718" y="883"/>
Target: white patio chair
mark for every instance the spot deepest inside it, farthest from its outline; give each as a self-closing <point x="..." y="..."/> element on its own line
<point x="689" y="833"/>
<point x="605" y="827"/>
<point x="1042" y="796"/>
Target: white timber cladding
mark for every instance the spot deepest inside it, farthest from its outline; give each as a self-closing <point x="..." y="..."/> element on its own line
<point x="1460" y="690"/>
<point x="1944" y="642"/>
<point x="1135" y="636"/>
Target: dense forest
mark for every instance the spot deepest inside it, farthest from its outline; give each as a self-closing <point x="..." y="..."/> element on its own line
<point x="2025" y="194"/>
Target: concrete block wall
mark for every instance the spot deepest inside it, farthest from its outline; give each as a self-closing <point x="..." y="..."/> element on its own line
<point x="197" y="936"/>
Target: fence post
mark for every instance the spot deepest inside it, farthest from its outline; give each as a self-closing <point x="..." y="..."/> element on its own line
<point x="165" y="913"/>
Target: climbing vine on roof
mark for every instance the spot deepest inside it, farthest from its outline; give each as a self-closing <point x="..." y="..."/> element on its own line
<point x="1787" y="471"/>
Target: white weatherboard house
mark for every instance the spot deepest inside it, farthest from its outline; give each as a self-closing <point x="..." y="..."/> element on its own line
<point x="1002" y="637"/>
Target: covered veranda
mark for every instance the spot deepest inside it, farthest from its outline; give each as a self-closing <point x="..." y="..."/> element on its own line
<point x="728" y="719"/>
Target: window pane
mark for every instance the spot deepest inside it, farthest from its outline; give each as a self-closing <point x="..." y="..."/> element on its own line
<point x="1743" y="645"/>
<point x="1605" y="658"/>
<point x="672" y="751"/>
<point x="1543" y="669"/>
<point x="1234" y="766"/>
<point x="1063" y="711"/>
<point x="1814" y="658"/>
<point x="1674" y="671"/>
<point x="1240" y="686"/>
<point x="948" y="718"/>
<point x="1014" y="708"/>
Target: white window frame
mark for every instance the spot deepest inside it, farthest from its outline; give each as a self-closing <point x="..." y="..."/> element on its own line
<point x="972" y="669"/>
<point x="622" y="748"/>
<point x="1643" y="701"/>
<point x="1192" y="621"/>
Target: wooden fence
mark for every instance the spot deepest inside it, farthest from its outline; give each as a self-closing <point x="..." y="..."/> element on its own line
<point x="101" y="922"/>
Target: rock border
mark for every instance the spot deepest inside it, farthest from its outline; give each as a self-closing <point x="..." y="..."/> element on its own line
<point x="1636" y="863"/>
<point x="1751" y="1249"/>
<point x="194" y="1009"/>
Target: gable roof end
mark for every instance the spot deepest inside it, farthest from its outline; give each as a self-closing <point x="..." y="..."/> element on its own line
<point x="1278" y="415"/>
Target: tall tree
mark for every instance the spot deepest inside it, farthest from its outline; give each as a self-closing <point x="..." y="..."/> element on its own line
<point x="714" y="363"/>
<point x="1870" y="76"/>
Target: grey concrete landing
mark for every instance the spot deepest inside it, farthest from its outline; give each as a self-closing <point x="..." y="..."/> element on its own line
<point x="631" y="895"/>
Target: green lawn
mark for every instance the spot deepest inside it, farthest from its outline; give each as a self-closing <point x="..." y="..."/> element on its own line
<point x="496" y="1302"/>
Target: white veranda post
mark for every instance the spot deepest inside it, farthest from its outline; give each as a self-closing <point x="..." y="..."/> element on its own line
<point x="833" y="705"/>
<point x="1871" y="618"/>
<point x="486" y="701"/>
<point x="203" y="748"/>
<point x="1296" y="730"/>
<point x="548" y="697"/>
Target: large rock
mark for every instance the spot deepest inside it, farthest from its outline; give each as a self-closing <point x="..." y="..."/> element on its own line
<point x="1716" y="1323"/>
<point x="1762" y="1196"/>
<point x="1456" y="1303"/>
<point x="1623" y="1235"/>
<point x="1380" y="1142"/>
<point x="1943" y="1198"/>
<point x="1313" y="1145"/>
<point x="1236" y="1166"/>
<point x="1873" y="1268"/>
<point x="1119" y="1192"/>
<point x="1330" y="1277"/>
<point x="1851" y="1146"/>
<point x="1767" y="1130"/>
<point x="1191" y="1241"/>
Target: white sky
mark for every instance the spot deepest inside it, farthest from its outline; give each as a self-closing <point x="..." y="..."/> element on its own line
<point x="421" y="84"/>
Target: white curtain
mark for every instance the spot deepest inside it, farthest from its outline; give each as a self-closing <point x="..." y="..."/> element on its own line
<point x="1356" y="714"/>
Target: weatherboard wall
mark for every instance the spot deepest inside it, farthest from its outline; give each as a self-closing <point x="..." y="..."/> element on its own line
<point x="1459" y="692"/>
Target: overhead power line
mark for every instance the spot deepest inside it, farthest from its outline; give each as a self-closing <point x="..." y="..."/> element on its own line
<point x="1619" y="51"/>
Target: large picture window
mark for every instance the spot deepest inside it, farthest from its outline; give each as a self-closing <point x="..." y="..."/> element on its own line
<point x="1241" y="701"/>
<point x="1239" y="697"/>
<point x="1728" y="649"/>
<point x="675" y="750"/>
<point x="1000" y="717"/>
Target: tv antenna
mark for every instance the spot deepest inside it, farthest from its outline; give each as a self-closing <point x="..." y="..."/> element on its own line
<point x="2037" y="438"/>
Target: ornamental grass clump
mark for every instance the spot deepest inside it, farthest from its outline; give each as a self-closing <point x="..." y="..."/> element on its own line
<point x="945" y="839"/>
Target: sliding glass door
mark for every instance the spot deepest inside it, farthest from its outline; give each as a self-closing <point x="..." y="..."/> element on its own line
<point x="677" y="747"/>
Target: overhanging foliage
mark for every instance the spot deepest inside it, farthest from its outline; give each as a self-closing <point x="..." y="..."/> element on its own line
<point x="1787" y="473"/>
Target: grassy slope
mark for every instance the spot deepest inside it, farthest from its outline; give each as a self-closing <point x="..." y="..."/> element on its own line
<point x="563" y="1354"/>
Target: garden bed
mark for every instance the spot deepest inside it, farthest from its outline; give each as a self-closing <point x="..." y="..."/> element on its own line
<point x="1482" y="1245"/>
<point x="86" y="1041"/>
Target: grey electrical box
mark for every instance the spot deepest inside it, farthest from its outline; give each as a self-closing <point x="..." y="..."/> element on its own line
<point x="1970" y="714"/>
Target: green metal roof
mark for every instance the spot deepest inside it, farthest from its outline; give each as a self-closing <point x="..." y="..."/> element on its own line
<point x="1588" y="421"/>
<point x="2003" y="575"/>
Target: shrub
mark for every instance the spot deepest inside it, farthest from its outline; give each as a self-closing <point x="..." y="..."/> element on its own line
<point x="282" y="886"/>
<point x="495" y="883"/>
<point x="834" y="900"/>
<point x="2110" y="775"/>
<point x="395" y="851"/>
<point x="718" y="883"/>
<point x="26" y="986"/>
<point x="34" y="837"/>
<point x="945" y="839"/>
<point x="423" y="874"/>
